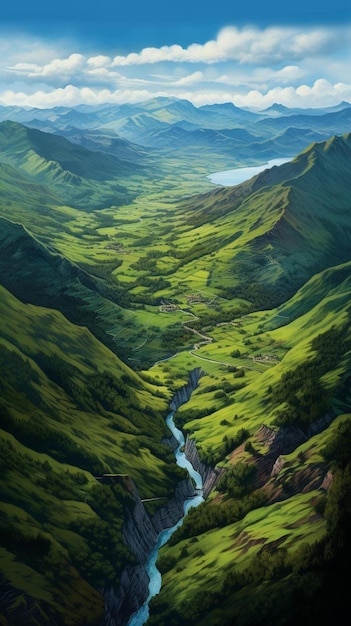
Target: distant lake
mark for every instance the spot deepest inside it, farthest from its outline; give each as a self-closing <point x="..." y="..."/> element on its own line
<point x="234" y="177"/>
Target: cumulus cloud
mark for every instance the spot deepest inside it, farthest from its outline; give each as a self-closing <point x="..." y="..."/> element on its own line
<point x="321" y="93"/>
<point x="191" y="79"/>
<point x="99" y="61"/>
<point x="249" y="66"/>
<point x="56" y="67"/>
<point x="72" y="96"/>
<point x="248" y="45"/>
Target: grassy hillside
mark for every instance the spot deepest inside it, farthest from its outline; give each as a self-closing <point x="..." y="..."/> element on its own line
<point x="82" y="177"/>
<point x="270" y="544"/>
<point x="70" y="410"/>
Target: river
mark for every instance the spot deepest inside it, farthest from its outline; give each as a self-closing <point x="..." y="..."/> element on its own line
<point x="140" y="617"/>
<point x="240" y="174"/>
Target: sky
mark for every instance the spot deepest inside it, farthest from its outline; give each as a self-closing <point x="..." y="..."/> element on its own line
<point x="253" y="54"/>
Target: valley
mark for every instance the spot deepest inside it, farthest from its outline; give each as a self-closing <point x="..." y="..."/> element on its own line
<point x="125" y="272"/>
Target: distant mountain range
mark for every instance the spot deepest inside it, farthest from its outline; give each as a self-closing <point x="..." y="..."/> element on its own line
<point x="164" y="123"/>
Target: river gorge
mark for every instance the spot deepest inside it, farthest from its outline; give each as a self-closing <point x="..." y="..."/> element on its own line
<point x="145" y="535"/>
<point x="141" y="616"/>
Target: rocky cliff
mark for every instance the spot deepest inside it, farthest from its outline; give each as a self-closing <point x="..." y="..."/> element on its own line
<point x="183" y="394"/>
<point x="140" y="531"/>
<point x="140" y="535"/>
<point x="208" y="474"/>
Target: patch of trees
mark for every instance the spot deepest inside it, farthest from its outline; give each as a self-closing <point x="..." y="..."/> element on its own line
<point x="146" y="264"/>
<point x="17" y="541"/>
<point x="105" y="555"/>
<point x="200" y="249"/>
<point x="8" y="460"/>
<point x="212" y="456"/>
<point x="104" y="269"/>
<point x="237" y="481"/>
<point x="98" y="392"/>
<point x="211" y="318"/>
<point x="301" y="391"/>
<point x="208" y="515"/>
<point x="259" y="296"/>
<point x="337" y="451"/>
<point x="153" y="284"/>
<point x="183" y="416"/>
<point x="175" y="336"/>
<point x="36" y="434"/>
<point x="226" y="385"/>
<point x="62" y="485"/>
<point x="18" y="374"/>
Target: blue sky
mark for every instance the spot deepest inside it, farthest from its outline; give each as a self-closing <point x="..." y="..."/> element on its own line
<point x="253" y="54"/>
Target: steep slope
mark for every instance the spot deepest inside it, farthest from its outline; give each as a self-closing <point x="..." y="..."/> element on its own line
<point x="80" y="176"/>
<point x="110" y="142"/>
<point x="271" y="544"/>
<point x="335" y="122"/>
<point x="36" y="274"/>
<point x="291" y="221"/>
<point x="16" y="141"/>
<point x="70" y="411"/>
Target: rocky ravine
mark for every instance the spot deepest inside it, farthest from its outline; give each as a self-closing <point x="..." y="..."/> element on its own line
<point x="140" y="530"/>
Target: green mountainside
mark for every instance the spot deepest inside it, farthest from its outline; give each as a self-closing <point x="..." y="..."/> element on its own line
<point x="88" y="179"/>
<point x="271" y="543"/>
<point x="122" y="270"/>
<point x="281" y="226"/>
<point x="70" y="411"/>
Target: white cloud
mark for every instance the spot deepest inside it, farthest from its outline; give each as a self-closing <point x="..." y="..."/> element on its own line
<point x="72" y="96"/>
<point x="288" y="73"/>
<point x="56" y="67"/>
<point x="248" y="66"/>
<point x="249" y="45"/>
<point x="99" y="61"/>
<point x="321" y="93"/>
<point x="191" y="79"/>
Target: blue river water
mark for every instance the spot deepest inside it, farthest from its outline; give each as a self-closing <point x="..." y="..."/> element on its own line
<point x="140" y="617"/>
<point x="240" y="174"/>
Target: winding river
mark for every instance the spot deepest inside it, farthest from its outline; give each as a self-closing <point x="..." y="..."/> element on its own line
<point x="228" y="177"/>
<point x="140" y="617"/>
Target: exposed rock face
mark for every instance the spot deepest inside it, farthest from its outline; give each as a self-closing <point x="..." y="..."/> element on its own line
<point x="321" y="424"/>
<point x="278" y="465"/>
<point x="279" y="442"/>
<point x="183" y="395"/>
<point x="170" y="513"/>
<point x="140" y="535"/>
<point x="209" y="476"/>
<point x="327" y="481"/>
<point x="121" y="604"/>
<point x="140" y="531"/>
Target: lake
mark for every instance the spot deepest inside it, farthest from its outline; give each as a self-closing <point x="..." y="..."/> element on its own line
<point x="228" y="178"/>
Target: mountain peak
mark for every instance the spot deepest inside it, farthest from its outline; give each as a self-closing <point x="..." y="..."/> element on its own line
<point x="276" y="107"/>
